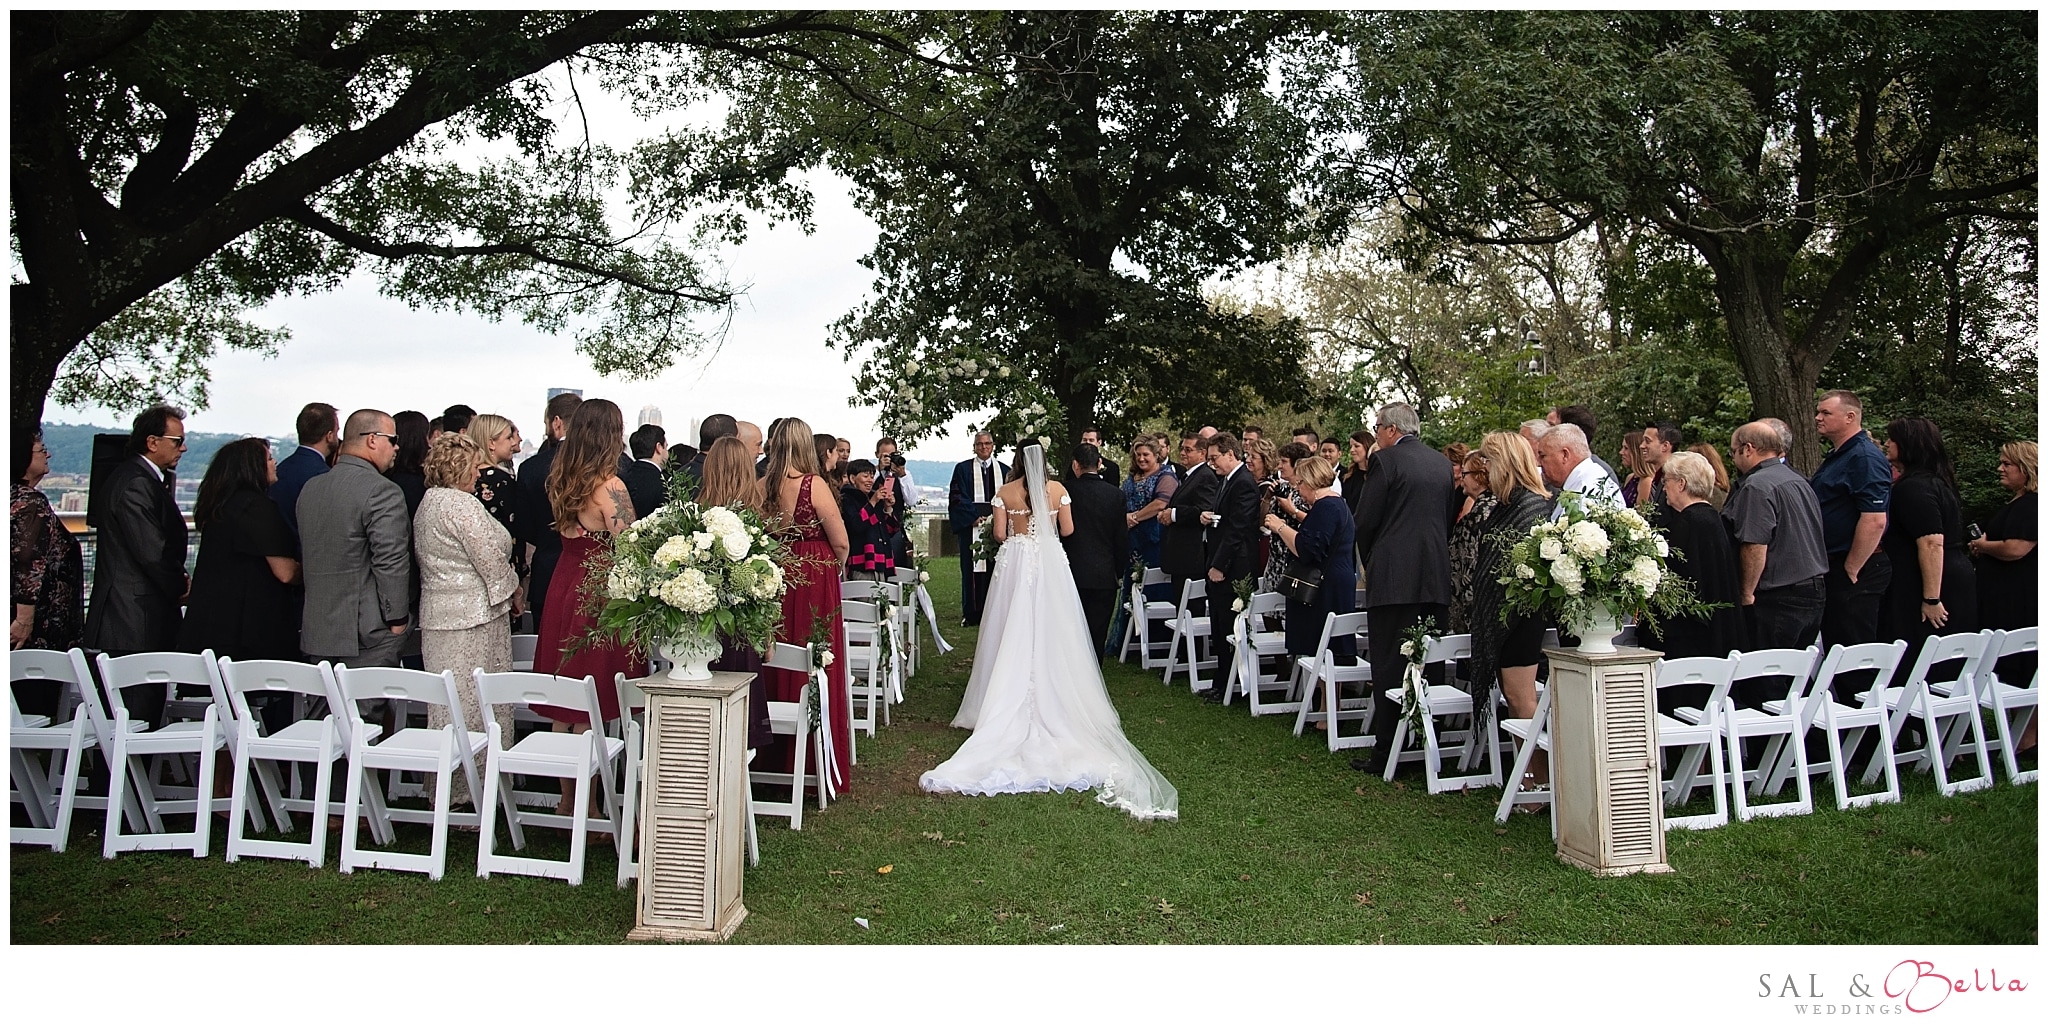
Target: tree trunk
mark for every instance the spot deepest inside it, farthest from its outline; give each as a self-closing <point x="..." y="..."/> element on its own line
<point x="36" y="350"/>
<point x="1782" y="376"/>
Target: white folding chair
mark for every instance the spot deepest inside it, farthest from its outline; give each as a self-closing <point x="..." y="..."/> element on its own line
<point x="524" y="647"/>
<point x="1443" y="700"/>
<point x="1695" y="740"/>
<point x="2012" y="705"/>
<point x="1781" y="726"/>
<point x="908" y="612"/>
<point x="1320" y="673"/>
<point x="632" y="701"/>
<point x="867" y="672"/>
<point x="1821" y="710"/>
<point x="1138" y="623"/>
<point x="915" y="589"/>
<point x="49" y="811"/>
<point x="435" y="754"/>
<point x="319" y="742"/>
<point x="1530" y="735"/>
<point x="794" y="719"/>
<point x="1256" y="640"/>
<point x="204" y="738"/>
<point x="1185" y="633"/>
<point x="63" y="670"/>
<point x="1916" y="699"/>
<point x="560" y="755"/>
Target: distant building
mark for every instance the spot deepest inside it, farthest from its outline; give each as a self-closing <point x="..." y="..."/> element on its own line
<point x="650" y="414"/>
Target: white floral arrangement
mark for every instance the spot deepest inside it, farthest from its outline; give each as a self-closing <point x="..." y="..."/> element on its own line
<point x="1595" y="554"/>
<point x="687" y="569"/>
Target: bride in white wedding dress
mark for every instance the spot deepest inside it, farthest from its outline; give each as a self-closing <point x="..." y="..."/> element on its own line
<point x="1042" y="720"/>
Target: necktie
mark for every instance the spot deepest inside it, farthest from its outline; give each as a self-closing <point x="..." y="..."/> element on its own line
<point x="988" y="478"/>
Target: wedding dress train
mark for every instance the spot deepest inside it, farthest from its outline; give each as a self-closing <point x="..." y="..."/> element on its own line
<point x="1041" y="717"/>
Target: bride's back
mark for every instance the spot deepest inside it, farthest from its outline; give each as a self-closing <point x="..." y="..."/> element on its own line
<point x="1016" y="507"/>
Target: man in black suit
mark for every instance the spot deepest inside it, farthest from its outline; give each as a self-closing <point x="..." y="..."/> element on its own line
<point x="974" y="483"/>
<point x="1093" y="436"/>
<point x="643" y="477"/>
<point x="1099" y="549"/>
<point x="713" y="427"/>
<point x="536" y="517"/>
<point x="1231" y="544"/>
<point x="139" y="582"/>
<point x="1182" y="553"/>
<point x="1405" y="546"/>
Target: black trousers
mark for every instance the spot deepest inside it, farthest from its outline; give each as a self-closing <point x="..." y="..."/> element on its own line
<point x="1222" y="619"/>
<point x="973" y="585"/>
<point x="1855" y="611"/>
<point x="1787" y="616"/>
<point x="1384" y="626"/>
<point x="1098" y="606"/>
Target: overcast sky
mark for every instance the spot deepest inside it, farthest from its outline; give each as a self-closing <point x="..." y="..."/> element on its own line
<point x="354" y="347"/>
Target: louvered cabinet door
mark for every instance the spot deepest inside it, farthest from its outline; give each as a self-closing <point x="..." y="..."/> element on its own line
<point x="694" y="816"/>
<point x="1606" y="793"/>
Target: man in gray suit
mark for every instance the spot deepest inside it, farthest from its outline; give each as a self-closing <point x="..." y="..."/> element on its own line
<point x="356" y="539"/>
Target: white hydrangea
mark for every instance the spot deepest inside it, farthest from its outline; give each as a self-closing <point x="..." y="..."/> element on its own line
<point x="911" y="366"/>
<point x="1525" y="571"/>
<point x="1635" y="520"/>
<point x="1643" y="572"/>
<point x="689" y="592"/>
<point x="702" y="540"/>
<point x="1566" y="574"/>
<point x="1551" y="549"/>
<point x="673" y="551"/>
<point x="623" y="584"/>
<point x="1586" y="539"/>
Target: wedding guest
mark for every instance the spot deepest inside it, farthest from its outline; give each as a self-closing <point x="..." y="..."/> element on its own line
<point x="645" y="476"/>
<point x="1713" y="457"/>
<point x="1099" y="549"/>
<point x="536" y="520"/>
<point x="1934" y="586"/>
<point x="889" y="459"/>
<point x="1532" y="431"/>
<point x="1701" y="554"/>
<point x="1146" y="493"/>
<point x="1322" y="541"/>
<point x="406" y="472"/>
<point x="1252" y="432"/>
<point x="1093" y="435"/>
<point x="1354" y="475"/>
<point x="1287" y="502"/>
<point x="138" y="579"/>
<point x="1261" y="461"/>
<point x="1506" y="645"/>
<point x="1330" y="452"/>
<point x="1854" y="488"/>
<point x="496" y="488"/>
<point x="1306" y="435"/>
<point x="319" y="433"/>
<point x="1659" y="441"/>
<point x="712" y="428"/>
<point x="1183" y="550"/>
<point x="1405" y="548"/>
<point x="727" y="472"/>
<point x="868" y="508"/>
<point x="356" y="541"/>
<point x="1775" y="523"/>
<point x="1568" y="465"/>
<point x="2007" y="572"/>
<point x="750" y="435"/>
<point x="967" y="506"/>
<point x="48" y="572"/>
<point x="1582" y="417"/>
<point x="468" y="591"/>
<point x="1230" y="527"/>
<point x="842" y="454"/>
<point x="1631" y="444"/>
<point x="829" y="465"/>
<point x="1476" y="485"/>
<point x="456" y="418"/>
<point x="801" y="504"/>
<point x="242" y="599"/>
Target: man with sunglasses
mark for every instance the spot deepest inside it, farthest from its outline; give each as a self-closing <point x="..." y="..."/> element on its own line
<point x="357" y="541"/>
<point x="138" y="580"/>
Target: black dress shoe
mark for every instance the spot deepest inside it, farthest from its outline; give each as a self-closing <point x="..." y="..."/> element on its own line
<point x="1213" y="695"/>
<point x="1364" y="764"/>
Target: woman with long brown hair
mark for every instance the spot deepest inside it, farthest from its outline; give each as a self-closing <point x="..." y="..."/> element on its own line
<point x="729" y="480"/>
<point x="590" y="504"/>
<point x="801" y="503"/>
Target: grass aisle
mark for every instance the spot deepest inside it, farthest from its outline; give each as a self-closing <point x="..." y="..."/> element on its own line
<point x="1279" y="842"/>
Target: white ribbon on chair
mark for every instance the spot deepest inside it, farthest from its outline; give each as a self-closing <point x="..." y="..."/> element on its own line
<point x="931" y="618"/>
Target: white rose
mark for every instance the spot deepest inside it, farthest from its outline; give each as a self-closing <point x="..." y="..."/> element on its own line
<point x="1004" y="372"/>
<point x="1525" y="571"/>
<point x="969" y="366"/>
<point x="924" y="577"/>
<point x="1550" y="549"/>
<point x="825" y="659"/>
<point x="1237" y="605"/>
<point x="702" y="539"/>
<point x="736" y="545"/>
<point x="1663" y="549"/>
<point x="1036" y="409"/>
<point x="1408" y="648"/>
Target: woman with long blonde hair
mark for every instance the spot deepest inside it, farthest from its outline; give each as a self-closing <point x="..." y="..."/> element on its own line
<point x="805" y="506"/>
<point x="1505" y="644"/>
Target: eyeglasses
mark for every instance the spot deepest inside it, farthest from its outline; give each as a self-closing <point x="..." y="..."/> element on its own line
<point x="176" y="439"/>
<point x="390" y="439"/>
<point x="38" y="449"/>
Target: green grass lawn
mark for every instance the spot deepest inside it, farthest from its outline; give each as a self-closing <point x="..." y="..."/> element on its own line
<point x="1278" y="842"/>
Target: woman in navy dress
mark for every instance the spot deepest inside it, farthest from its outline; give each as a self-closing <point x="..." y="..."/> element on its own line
<point x="1324" y="542"/>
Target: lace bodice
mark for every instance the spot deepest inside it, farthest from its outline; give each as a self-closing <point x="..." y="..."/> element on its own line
<point x="1020" y="518"/>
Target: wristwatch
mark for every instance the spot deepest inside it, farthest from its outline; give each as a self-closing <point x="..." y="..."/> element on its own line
<point x="1930" y="600"/>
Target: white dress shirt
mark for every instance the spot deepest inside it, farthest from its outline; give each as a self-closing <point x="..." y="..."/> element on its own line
<point x="1594" y="483"/>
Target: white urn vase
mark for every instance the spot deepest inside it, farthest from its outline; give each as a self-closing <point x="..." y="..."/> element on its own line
<point x="690" y="655"/>
<point x="1597" y="632"/>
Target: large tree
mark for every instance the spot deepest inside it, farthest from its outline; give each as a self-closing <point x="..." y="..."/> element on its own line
<point x="171" y="169"/>
<point x="1053" y="190"/>
<point x="1790" y="150"/>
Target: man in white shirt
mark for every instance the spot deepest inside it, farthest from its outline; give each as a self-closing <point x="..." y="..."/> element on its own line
<point x="1568" y="465"/>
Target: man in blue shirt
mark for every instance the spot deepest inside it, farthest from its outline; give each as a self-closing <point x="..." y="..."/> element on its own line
<point x="319" y="436"/>
<point x="1854" y="488"/>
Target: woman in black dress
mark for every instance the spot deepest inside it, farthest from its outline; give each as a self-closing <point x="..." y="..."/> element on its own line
<point x="496" y="487"/>
<point x="1934" y="587"/>
<point x="1353" y="479"/>
<point x="1506" y="646"/>
<point x="1323" y="540"/>
<point x="243" y="604"/>
<point x="2007" y="571"/>
<point x="1700" y="553"/>
<point x="1475" y="484"/>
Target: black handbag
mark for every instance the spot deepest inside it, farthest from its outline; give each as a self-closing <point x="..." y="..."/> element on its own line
<point x="1302" y="585"/>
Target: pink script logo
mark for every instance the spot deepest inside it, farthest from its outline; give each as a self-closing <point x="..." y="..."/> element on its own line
<point x="1922" y="988"/>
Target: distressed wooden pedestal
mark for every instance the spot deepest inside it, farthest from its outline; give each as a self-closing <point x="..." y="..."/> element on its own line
<point x="1606" y="788"/>
<point x="693" y="814"/>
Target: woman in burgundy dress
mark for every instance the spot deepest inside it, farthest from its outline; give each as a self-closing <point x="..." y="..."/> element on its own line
<point x="590" y="504"/>
<point x="729" y="480"/>
<point x="805" y="505"/>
